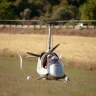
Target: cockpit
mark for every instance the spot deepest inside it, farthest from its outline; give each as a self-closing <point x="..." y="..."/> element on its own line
<point x="49" y="58"/>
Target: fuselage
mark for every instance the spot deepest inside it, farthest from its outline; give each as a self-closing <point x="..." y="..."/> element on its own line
<point x="50" y="66"/>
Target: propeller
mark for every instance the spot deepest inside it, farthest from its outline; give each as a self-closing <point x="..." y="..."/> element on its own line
<point x="54" y="48"/>
<point x="33" y="54"/>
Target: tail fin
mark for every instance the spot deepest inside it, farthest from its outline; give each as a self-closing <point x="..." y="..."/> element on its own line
<point x="60" y="56"/>
<point x="20" y="57"/>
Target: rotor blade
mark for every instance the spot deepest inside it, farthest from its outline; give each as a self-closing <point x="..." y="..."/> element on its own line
<point x="33" y="54"/>
<point x="29" y="56"/>
<point x="54" y="47"/>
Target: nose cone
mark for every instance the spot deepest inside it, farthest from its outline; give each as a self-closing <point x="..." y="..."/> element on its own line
<point x="56" y="70"/>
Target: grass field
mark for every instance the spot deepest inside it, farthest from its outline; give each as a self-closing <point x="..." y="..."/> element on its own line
<point x="77" y="51"/>
<point x="13" y="81"/>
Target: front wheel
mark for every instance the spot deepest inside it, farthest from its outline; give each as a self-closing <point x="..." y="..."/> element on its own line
<point x="67" y="79"/>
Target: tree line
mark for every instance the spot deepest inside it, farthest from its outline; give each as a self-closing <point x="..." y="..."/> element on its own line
<point x="48" y="9"/>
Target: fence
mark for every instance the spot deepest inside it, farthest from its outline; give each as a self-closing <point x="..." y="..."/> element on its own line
<point x="75" y="24"/>
<point x="44" y="26"/>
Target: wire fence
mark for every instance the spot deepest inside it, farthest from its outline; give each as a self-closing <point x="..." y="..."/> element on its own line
<point x="43" y="23"/>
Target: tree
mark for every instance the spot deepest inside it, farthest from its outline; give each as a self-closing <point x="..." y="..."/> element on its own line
<point x="76" y="3"/>
<point x="26" y="14"/>
<point x="48" y="8"/>
<point x="54" y="2"/>
<point x="75" y="11"/>
<point x="20" y="5"/>
<point x="63" y="3"/>
<point x="88" y="10"/>
<point x="6" y="12"/>
<point x="62" y="14"/>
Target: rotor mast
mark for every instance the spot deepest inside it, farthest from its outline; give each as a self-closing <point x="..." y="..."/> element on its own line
<point x="49" y="37"/>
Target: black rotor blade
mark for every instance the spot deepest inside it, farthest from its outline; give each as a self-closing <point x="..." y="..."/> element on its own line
<point x="33" y="54"/>
<point x="54" y="47"/>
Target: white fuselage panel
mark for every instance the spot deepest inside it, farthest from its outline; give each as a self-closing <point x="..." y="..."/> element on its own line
<point x="54" y="70"/>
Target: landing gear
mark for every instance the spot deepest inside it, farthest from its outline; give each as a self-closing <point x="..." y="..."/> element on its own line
<point x="66" y="79"/>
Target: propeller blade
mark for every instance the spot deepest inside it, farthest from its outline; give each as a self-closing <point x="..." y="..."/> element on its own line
<point x="33" y="54"/>
<point x="54" y="47"/>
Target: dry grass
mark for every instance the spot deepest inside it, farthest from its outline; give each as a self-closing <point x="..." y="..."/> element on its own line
<point x="76" y="50"/>
<point x="59" y="31"/>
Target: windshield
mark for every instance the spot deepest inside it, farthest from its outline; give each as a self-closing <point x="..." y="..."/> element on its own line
<point x="52" y="59"/>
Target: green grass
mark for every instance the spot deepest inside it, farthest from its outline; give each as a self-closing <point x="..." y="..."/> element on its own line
<point x="13" y="80"/>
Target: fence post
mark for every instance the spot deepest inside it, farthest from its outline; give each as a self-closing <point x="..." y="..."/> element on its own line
<point x="73" y="26"/>
<point x="66" y="26"/>
<point x="87" y="26"/>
